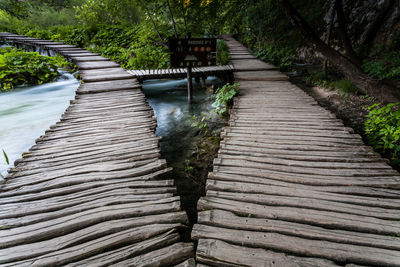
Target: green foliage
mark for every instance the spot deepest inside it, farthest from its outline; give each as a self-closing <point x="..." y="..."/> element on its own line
<point x="263" y="26"/>
<point x="6" y="157"/>
<point x="224" y="96"/>
<point x="382" y="128"/>
<point x="384" y="65"/>
<point x="201" y="123"/>
<point x="344" y="86"/>
<point x="46" y="16"/>
<point x="223" y="55"/>
<point x="9" y="22"/>
<point x="17" y="9"/>
<point x="319" y="78"/>
<point x="280" y="55"/>
<point x="93" y="12"/>
<point x="148" y="57"/>
<point x="130" y="46"/>
<point x="18" y="67"/>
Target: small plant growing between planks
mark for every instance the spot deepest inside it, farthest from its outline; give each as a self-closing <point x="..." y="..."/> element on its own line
<point x="223" y="100"/>
<point x="201" y="123"/>
<point x="224" y="97"/>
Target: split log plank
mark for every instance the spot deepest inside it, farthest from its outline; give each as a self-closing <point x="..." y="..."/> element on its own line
<point x="342" y="253"/>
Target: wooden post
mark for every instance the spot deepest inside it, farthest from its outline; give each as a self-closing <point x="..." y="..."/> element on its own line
<point x="203" y="82"/>
<point x="189" y="84"/>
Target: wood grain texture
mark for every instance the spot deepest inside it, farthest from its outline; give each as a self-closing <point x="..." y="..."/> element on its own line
<point x="219" y="71"/>
<point x="292" y="186"/>
<point x="91" y="191"/>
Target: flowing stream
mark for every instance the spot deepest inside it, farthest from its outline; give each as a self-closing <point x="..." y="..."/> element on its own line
<point x="179" y="141"/>
<point x="26" y="112"/>
<point x="168" y="98"/>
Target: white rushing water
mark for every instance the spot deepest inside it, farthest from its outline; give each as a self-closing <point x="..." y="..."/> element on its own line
<point x="26" y="113"/>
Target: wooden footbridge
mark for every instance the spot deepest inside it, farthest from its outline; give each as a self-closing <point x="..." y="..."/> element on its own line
<point x="291" y="185"/>
<point x="91" y="191"/>
<point x="224" y="72"/>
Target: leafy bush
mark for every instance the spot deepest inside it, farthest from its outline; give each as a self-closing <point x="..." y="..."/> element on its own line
<point x="224" y="96"/>
<point x="15" y="8"/>
<point x="148" y="57"/>
<point x="384" y="62"/>
<point x="344" y="86"/>
<point x="9" y="22"/>
<point x="18" y="67"/>
<point x="93" y="12"/>
<point x="382" y="69"/>
<point x="319" y="78"/>
<point x="223" y="55"/>
<point x="382" y="128"/>
<point x="278" y="55"/>
<point x="46" y="16"/>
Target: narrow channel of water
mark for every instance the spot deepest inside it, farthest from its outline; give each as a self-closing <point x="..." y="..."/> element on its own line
<point x="168" y="98"/>
<point x="26" y="112"/>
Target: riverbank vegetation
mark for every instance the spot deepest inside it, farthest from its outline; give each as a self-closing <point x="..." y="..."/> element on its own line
<point x="18" y="67"/>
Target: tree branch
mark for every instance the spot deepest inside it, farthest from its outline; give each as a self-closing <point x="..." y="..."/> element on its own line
<point x="184" y="18"/>
<point x="152" y="21"/>
<point x="172" y="19"/>
<point x="158" y="42"/>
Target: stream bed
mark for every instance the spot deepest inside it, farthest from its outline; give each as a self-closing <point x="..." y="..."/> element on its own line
<point x="179" y="141"/>
<point x="27" y="112"/>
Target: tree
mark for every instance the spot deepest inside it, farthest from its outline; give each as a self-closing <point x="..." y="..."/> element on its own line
<point x="94" y="12"/>
<point x="381" y="89"/>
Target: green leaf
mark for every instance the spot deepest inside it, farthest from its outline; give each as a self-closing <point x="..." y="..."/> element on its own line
<point x="6" y="157"/>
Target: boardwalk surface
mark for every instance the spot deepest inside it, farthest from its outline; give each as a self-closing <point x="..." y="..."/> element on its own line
<point x="89" y="193"/>
<point x="292" y="186"/>
<point x="220" y="71"/>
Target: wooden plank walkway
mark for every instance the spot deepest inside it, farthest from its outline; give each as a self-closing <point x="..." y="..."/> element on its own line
<point x="292" y="186"/>
<point x="91" y="192"/>
<point x="204" y="72"/>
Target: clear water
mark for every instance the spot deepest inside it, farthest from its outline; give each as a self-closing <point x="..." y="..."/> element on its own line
<point x="25" y="114"/>
<point x="168" y="98"/>
<point x="179" y="140"/>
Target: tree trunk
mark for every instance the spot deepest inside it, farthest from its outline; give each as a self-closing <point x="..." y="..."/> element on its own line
<point x="377" y="88"/>
<point x="328" y="38"/>
<point x="348" y="47"/>
<point x="373" y="29"/>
